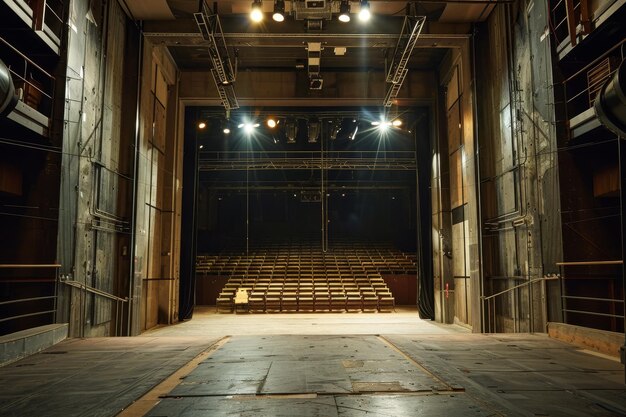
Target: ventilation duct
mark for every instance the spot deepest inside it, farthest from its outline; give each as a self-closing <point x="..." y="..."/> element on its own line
<point x="8" y="99"/>
<point x="610" y="104"/>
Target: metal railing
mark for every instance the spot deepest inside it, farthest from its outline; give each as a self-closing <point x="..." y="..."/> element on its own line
<point x="44" y="311"/>
<point x="119" y="302"/>
<point x="34" y="84"/>
<point x="610" y="312"/>
<point x="491" y="324"/>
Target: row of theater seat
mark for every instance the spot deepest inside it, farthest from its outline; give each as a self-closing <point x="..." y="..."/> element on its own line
<point x="362" y="293"/>
<point x="297" y="277"/>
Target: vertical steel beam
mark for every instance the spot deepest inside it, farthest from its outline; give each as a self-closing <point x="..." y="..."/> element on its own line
<point x="621" y="146"/>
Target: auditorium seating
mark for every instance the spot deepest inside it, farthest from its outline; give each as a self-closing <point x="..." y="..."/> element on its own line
<point x="291" y="278"/>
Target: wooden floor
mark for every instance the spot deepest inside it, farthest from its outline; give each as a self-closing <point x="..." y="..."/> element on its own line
<point x="206" y="322"/>
<point x="312" y="365"/>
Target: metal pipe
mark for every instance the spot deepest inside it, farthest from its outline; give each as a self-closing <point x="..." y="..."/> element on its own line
<point x="23" y="300"/>
<point x="93" y="290"/>
<point x="133" y="223"/>
<point x="547" y="278"/>
<point x="594" y="313"/>
<point x="587" y="263"/>
<point x="26" y="315"/>
<point x="481" y="272"/>
<point x="592" y="298"/>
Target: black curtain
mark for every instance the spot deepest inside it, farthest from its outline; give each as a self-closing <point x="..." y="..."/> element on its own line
<point x="426" y="294"/>
<point x="187" y="298"/>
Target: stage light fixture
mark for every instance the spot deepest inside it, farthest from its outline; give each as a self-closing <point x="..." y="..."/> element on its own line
<point x="201" y="125"/>
<point x="336" y="128"/>
<point x="364" y="13"/>
<point x="271" y="123"/>
<point x="316" y="82"/>
<point x="352" y="135"/>
<point x="279" y="11"/>
<point x="291" y="130"/>
<point x="344" y="11"/>
<point x="226" y="130"/>
<point x="256" y="11"/>
<point x="397" y="123"/>
<point x="314" y="130"/>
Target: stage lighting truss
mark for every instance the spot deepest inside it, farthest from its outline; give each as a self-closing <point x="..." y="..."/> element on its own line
<point x="411" y="30"/>
<point x="223" y="73"/>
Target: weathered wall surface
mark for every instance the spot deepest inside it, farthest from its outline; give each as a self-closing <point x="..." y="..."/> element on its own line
<point x="518" y="164"/>
<point x="92" y="219"/>
<point x="106" y="184"/>
<point x="456" y="257"/>
<point x="158" y="188"/>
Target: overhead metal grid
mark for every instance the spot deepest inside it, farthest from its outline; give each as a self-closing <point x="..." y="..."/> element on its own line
<point x="223" y="73"/>
<point x="369" y="164"/>
<point x="411" y="30"/>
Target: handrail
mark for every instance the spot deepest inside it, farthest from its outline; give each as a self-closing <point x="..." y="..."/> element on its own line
<point x="93" y="290"/>
<point x="588" y="263"/>
<point x="532" y="281"/>
<point x="19" y="266"/>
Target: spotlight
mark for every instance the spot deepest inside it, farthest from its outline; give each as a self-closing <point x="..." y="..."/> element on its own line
<point x="364" y="13"/>
<point x="291" y="131"/>
<point x="201" y="125"/>
<point x="397" y="123"/>
<point x="226" y="130"/>
<point x="316" y="82"/>
<point x="314" y="130"/>
<point x="279" y="11"/>
<point x="248" y="127"/>
<point x="201" y="146"/>
<point x="352" y="135"/>
<point x="334" y="132"/>
<point x="271" y="123"/>
<point x="375" y="123"/>
<point x="256" y="12"/>
<point x="344" y="11"/>
<point x="384" y="126"/>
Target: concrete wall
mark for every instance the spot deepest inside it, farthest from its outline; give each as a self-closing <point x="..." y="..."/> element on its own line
<point x="158" y="193"/>
<point x="99" y="194"/>
<point x="91" y="217"/>
<point x="518" y="165"/>
<point x="455" y="216"/>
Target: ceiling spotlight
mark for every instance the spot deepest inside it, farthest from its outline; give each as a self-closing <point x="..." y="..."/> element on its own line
<point x="201" y="125"/>
<point x="271" y="123"/>
<point x="364" y="13"/>
<point x="279" y="11"/>
<point x="375" y="123"/>
<point x="226" y="130"/>
<point x="334" y="132"/>
<point x="291" y="131"/>
<point x="201" y="146"/>
<point x="384" y="126"/>
<point x="314" y="130"/>
<point x="344" y="11"/>
<point x="316" y="82"/>
<point x="352" y="135"/>
<point x="397" y="123"/>
<point x="256" y="12"/>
